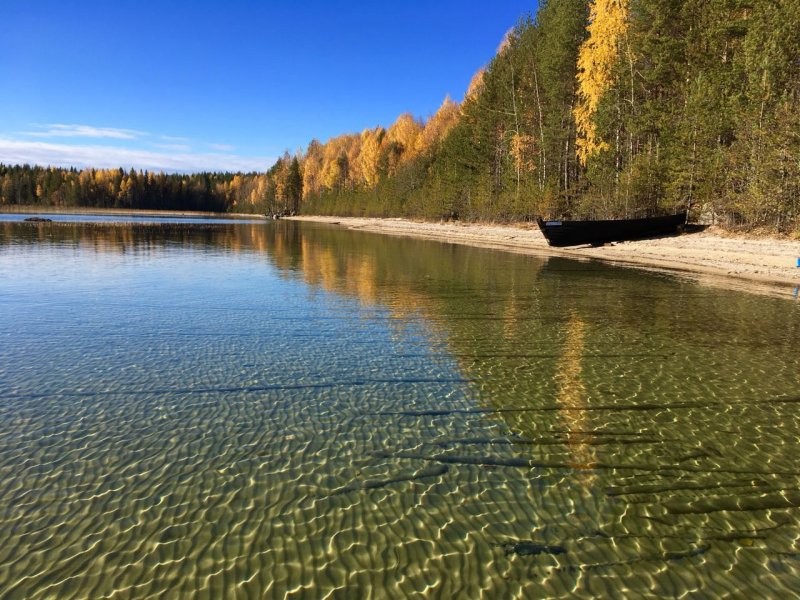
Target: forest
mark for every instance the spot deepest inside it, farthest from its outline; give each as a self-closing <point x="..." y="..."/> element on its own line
<point x="136" y="190"/>
<point x="598" y="109"/>
<point x="601" y="109"/>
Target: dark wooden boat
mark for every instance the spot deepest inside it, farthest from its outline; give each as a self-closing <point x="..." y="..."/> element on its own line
<point x="597" y="233"/>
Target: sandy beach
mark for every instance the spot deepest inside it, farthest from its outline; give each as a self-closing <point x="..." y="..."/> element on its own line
<point x="712" y="256"/>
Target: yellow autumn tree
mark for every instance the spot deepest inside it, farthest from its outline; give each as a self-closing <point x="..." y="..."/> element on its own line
<point x="476" y="85"/>
<point x="258" y="189"/>
<point x="312" y="163"/>
<point x="352" y="151"/>
<point x="126" y="190"/>
<point x="400" y="141"/>
<point x="438" y="126"/>
<point x="233" y="190"/>
<point x="282" y="180"/>
<point x="608" y="23"/>
<point x="336" y="172"/>
<point x="523" y="152"/>
<point x="404" y="131"/>
<point x="369" y="157"/>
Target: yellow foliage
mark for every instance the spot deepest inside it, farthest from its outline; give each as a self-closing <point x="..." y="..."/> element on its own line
<point x="85" y="179"/>
<point x="357" y="159"/>
<point x="475" y="85"/>
<point x="370" y="155"/>
<point x="333" y="174"/>
<point x="608" y="24"/>
<point x="353" y="151"/>
<point x="505" y="43"/>
<point x="405" y="131"/>
<point x="125" y="187"/>
<point x="312" y="169"/>
<point x="523" y="151"/>
<point x="438" y="126"/>
<point x="281" y="178"/>
<point x="259" y="189"/>
<point x="401" y="141"/>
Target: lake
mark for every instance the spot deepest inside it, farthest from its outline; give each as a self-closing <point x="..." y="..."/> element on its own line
<point x="289" y="410"/>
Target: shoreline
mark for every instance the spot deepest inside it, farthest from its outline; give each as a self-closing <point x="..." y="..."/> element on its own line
<point x="763" y="265"/>
<point x="711" y="257"/>
<point x="87" y="210"/>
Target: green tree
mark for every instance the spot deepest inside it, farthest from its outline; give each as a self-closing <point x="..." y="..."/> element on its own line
<point x="294" y="185"/>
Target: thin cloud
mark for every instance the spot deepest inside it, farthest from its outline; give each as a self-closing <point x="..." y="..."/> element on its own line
<point x="173" y="147"/>
<point x="221" y="147"/>
<point x="52" y="130"/>
<point x="110" y="157"/>
<point x="175" y="139"/>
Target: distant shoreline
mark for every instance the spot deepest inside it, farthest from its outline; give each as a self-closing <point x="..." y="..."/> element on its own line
<point x="87" y="210"/>
<point x="760" y="265"/>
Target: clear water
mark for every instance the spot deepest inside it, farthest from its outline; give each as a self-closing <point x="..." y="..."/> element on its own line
<point x="286" y="410"/>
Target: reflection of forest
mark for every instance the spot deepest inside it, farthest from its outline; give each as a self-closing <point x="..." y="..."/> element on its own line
<point x="560" y="349"/>
<point x="544" y="342"/>
<point x="122" y="238"/>
<point x="555" y="340"/>
<point x="572" y="395"/>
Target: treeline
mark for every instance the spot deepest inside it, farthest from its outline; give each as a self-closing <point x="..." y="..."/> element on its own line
<point x="606" y="108"/>
<point x="116" y="188"/>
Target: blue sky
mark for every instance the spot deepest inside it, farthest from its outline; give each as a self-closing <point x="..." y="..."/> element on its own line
<point x="187" y="86"/>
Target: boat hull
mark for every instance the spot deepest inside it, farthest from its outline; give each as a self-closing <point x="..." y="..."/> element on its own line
<point x="597" y="233"/>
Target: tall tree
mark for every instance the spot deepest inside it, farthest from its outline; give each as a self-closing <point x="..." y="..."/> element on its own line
<point x="597" y="60"/>
<point x="294" y="185"/>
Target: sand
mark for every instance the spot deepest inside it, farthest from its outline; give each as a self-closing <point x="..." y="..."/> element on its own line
<point x="757" y="264"/>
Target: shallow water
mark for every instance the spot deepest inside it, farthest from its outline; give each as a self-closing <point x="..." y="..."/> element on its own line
<point x="290" y="410"/>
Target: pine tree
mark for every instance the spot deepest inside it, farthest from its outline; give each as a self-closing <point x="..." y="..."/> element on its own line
<point x="294" y="185"/>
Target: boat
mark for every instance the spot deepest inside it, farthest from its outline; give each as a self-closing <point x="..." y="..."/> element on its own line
<point x="597" y="233"/>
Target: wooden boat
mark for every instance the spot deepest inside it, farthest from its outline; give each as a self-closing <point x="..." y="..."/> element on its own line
<point x="597" y="233"/>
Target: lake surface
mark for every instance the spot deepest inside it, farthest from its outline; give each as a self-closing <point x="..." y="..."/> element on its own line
<point x="284" y="410"/>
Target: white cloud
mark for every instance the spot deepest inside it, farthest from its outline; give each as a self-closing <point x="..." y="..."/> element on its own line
<point x="175" y="139"/>
<point x="89" y="131"/>
<point x="108" y="157"/>
<point x="174" y="147"/>
<point x="221" y="147"/>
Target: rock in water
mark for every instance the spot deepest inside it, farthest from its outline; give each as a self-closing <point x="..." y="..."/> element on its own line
<point x="531" y="548"/>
